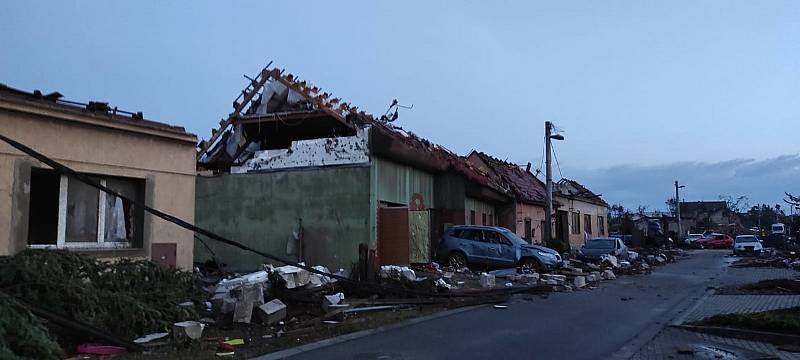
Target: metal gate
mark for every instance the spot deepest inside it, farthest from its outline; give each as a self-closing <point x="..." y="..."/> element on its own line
<point x="393" y="234"/>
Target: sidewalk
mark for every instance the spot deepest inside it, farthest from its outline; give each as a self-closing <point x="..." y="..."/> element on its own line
<point x="675" y="343"/>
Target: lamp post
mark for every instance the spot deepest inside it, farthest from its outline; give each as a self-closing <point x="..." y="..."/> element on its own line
<point x="678" y="209"/>
<point x="548" y="136"/>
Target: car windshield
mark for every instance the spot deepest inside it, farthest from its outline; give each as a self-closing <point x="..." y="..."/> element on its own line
<point x="746" y="239"/>
<point x="600" y="244"/>
<point x="516" y="240"/>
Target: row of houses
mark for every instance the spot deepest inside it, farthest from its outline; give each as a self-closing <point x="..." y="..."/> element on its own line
<point x="295" y="173"/>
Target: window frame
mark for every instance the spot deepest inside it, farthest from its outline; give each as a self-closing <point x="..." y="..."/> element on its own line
<point x="100" y="244"/>
<point x="601" y="224"/>
<point x="576" y="223"/>
<point x="587" y="224"/>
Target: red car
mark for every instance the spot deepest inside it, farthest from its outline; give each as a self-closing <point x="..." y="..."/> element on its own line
<point x="715" y="241"/>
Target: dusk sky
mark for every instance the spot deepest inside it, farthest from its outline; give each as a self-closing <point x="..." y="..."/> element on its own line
<point x="705" y="92"/>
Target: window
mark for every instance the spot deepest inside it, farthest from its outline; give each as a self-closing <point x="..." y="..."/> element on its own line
<point x="528" y="229"/>
<point x="576" y="223"/>
<point x="587" y="223"/>
<point x="542" y="226"/>
<point x="601" y="225"/>
<point x="66" y="213"/>
<point x="472" y="217"/>
<point x="483" y="219"/>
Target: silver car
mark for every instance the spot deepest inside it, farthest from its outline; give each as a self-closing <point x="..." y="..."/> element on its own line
<point x="494" y="246"/>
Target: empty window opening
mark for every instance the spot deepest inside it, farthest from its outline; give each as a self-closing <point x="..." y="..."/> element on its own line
<point x="43" y="219"/>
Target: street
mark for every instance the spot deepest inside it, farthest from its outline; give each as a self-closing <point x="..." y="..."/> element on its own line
<point x="611" y="321"/>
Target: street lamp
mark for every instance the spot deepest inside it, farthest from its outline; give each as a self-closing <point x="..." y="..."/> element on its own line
<point x="678" y="209"/>
<point x="548" y="136"/>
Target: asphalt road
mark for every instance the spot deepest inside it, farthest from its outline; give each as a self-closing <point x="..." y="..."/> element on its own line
<point x="593" y="324"/>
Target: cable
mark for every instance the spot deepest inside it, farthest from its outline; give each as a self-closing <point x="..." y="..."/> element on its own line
<point x="64" y="170"/>
<point x="557" y="165"/>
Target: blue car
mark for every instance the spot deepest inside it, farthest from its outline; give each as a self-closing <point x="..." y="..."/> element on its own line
<point x="494" y="246"/>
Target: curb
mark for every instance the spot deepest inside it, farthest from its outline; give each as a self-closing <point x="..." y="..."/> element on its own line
<point x="282" y="354"/>
<point x="752" y="335"/>
<point x="681" y="319"/>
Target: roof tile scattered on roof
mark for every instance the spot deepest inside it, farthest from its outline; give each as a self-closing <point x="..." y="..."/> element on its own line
<point x="572" y="188"/>
<point x="526" y="186"/>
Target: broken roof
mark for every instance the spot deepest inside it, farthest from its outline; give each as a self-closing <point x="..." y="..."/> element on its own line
<point x="574" y="190"/>
<point x="695" y="207"/>
<point x="95" y="110"/>
<point x="526" y="186"/>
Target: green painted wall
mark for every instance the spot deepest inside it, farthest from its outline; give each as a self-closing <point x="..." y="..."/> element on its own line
<point x="396" y="183"/>
<point x="262" y="210"/>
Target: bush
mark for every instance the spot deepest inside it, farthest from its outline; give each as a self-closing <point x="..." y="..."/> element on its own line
<point x="127" y="298"/>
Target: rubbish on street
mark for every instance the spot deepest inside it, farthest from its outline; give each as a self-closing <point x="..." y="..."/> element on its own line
<point x="185" y="331"/>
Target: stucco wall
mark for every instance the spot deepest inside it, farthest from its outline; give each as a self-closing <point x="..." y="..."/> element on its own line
<point x="536" y="214"/>
<point x="262" y="210"/>
<point x="576" y="240"/>
<point x="166" y="165"/>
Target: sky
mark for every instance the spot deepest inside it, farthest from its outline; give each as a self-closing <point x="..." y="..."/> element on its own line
<point x="646" y="93"/>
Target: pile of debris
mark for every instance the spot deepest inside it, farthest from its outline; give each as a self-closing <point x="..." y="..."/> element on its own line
<point x="776" y="258"/>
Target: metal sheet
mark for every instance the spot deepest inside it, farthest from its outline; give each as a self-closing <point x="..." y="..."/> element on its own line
<point x="393" y="242"/>
<point x="401" y="184"/>
<point x="420" y="236"/>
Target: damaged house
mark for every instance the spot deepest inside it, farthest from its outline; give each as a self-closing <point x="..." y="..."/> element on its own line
<point x="526" y="214"/>
<point x="581" y="214"/>
<point x="299" y="173"/>
<point x="142" y="159"/>
<point x="700" y="216"/>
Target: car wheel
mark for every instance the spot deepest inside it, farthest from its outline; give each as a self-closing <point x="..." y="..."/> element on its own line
<point x="457" y="260"/>
<point x="530" y="265"/>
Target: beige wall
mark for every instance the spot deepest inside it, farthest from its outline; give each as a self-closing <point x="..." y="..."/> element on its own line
<point x="536" y="214"/>
<point x="164" y="159"/>
<point x="571" y="206"/>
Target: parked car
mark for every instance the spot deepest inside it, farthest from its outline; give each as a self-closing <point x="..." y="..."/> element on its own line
<point x="595" y="248"/>
<point x="691" y="238"/>
<point x="494" y="246"/>
<point x="626" y="239"/>
<point x="715" y="241"/>
<point x="747" y="244"/>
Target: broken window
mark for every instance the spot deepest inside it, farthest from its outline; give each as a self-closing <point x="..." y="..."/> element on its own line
<point x="576" y="223"/>
<point x="43" y="222"/>
<point x="528" y="229"/>
<point x="66" y="212"/>
<point x="587" y="223"/>
<point x="601" y="225"/>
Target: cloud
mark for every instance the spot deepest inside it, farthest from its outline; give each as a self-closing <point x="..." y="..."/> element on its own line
<point x="762" y="181"/>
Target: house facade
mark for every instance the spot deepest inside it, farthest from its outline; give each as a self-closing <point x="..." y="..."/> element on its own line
<point x="302" y="175"/>
<point x="142" y="159"/>
<point x="526" y="214"/>
<point x="700" y="216"/>
<point x="581" y="214"/>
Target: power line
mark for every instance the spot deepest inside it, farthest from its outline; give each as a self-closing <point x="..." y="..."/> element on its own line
<point x="557" y="164"/>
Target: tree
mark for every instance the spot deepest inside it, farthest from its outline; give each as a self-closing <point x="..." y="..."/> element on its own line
<point x="641" y="210"/>
<point x="738" y="205"/>
<point x="672" y="205"/>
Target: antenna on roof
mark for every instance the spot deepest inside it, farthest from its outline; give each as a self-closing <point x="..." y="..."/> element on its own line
<point x="395" y="105"/>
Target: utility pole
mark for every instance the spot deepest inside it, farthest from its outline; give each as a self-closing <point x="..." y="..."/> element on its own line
<point x="678" y="210"/>
<point x="548" y="136"/>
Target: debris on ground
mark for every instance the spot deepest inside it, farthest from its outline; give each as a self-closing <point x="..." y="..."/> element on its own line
<point x="125" y="299"/>
<point x="773" y="258"/>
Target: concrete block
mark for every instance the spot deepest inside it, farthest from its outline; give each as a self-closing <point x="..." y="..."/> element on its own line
<point x="328" y="301"/>
<point x="609" y="275"/>
<point x="186" y="331"/>
<point x="487" y="280"/>
<point x="272" y="312"/>
<point x="579" y="282"/>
